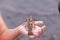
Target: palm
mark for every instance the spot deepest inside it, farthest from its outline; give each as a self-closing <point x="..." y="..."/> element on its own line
<point x="37" y="31"/>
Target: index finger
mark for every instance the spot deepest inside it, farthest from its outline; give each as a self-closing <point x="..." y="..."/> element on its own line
<point x="38" y="22"/>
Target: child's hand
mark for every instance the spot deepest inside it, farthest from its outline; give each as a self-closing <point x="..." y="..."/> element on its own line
<point x="37" y="31"/>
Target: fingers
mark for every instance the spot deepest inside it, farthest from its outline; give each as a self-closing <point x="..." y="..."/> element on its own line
<point x="43" y="28"/>
<point x="38" y="22"/>
<point x="40" y="30"/>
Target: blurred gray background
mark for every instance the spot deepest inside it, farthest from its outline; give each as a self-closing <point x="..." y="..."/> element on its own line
<point x="14" y="12"/>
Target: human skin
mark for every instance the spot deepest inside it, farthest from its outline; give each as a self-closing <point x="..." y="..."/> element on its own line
<point x="5" y="33"/>
<point x="12" y="34"/>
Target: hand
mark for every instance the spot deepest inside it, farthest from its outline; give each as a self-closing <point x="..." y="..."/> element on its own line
<point x="37" y="31"/>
